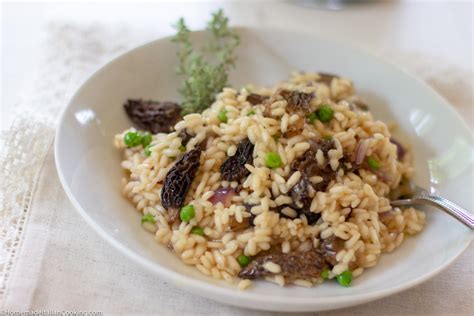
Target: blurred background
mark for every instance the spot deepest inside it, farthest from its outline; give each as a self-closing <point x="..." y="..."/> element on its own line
<point x="413" y="34"/>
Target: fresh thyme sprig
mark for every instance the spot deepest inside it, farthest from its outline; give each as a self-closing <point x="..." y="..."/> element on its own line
<point x="202" y="78"/>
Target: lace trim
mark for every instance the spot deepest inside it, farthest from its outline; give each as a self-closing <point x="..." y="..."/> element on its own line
<point x="20" y="170"/>
<point x="71" y="53"/>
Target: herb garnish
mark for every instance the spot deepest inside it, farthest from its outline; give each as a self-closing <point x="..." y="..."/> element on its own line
<point x="203" y="79"/>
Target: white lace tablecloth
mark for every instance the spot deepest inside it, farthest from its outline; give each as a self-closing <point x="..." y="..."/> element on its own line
<point x="51" y="259"/>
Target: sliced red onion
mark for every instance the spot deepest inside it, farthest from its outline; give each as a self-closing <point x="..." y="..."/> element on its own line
<point x="400" y="149"/>
<point x="361" y="151"/>
<point x="223" y="195"/>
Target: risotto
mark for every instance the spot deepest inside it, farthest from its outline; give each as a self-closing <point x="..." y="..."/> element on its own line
<point x="288" y="184"/>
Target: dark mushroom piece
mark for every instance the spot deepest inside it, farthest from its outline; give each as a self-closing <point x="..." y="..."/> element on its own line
<point x="302" y="200"/>
<point x="330" y="247"/>
<point x="235" y="226"/>
<point x="295" y="265"/>
<point x="298" y="102"/>
<point x="155" y="117"/>
<point x="255" y="99"/>
<point x="326" y="78"/>
<point x="295" y="129"/>
<point x="309" y="167"/>
<point x="185" y="136"/>
<point x="233" y="169"/>
<point x="178" y="181"/>
<point x="246" y="222"/>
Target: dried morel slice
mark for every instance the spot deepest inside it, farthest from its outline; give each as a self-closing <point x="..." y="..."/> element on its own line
<point x="310" y="216"/>
<point x="347" y="163"/>
<point x="185" y="136"/>
<point x="178" y="181"/>
<point x="255" y="99"/>
<point x="326" y="78"/>
<point x="323" y="144"/>
<point x="302" y="200"/>
<point x="234" y="226"/>
<point x="296" y="265"/>
<point x="233" y="169"/>
<point x="330" y="247"/>
<point x="300" y="193"/>
<point x="247" y="222"/>
<point x="152" y="116"/>
<point x="309" y="167"/>
<point x="297" y="101"/>
<point x="295" y="128"/>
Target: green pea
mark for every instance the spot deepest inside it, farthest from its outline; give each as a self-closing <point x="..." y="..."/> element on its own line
<point x="132" y="139"/>
<point x="345" y="278"/>
<point x="222" y="116"/>
<point x="182" y="148"/>
<point x="325" y="113"/>
<point x="243" y="260"/>
<point x="148" y="218"/>
<point x="327" y="137"/>
<point x="146" y="139"/>
<point x="250" y="113"/>
<point x="147" y="150"/>
<point x="374" y="164"/>
<point x="312" y="117"/>
<point x="196" y="230"/>
<point x="325" y="273"/>
<point x="187" y="213"/>
<point x="273" y="160"/>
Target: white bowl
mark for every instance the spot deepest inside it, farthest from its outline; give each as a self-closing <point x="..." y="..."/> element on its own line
<point x="90" y="172"/>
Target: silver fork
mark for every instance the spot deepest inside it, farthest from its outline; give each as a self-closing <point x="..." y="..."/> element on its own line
<point x="422" y="196"/>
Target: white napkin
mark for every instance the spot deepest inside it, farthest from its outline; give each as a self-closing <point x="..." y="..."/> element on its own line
<point x="51" y="259"/>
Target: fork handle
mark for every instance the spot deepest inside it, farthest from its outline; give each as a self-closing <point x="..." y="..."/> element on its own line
<point x="440" y="202"/>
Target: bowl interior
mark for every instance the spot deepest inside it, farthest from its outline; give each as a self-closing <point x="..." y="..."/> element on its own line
<point x="89" y="165"/>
